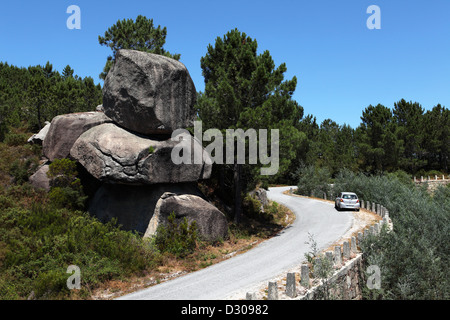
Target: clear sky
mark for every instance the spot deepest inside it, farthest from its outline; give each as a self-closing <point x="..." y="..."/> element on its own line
<point x="341" y="65"/>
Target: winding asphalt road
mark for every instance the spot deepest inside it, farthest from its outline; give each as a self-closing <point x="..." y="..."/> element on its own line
<point x="267" y="260"/>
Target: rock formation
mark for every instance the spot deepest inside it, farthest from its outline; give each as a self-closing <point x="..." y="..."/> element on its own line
<point x="116" y="155"/>
<point x="149" y="93"/>
<point x="39" y="179"/>
<point x="66" y="129"/>
<point x="39" y="137"/>
<point x="128" y="148"/>
<point x="212" y="224"/>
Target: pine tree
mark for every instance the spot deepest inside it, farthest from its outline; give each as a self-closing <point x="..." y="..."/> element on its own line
<point x="436" y="141"/>
<point x="137" y="35"/>
<point x="409" y="119"/>
<point x="243" y="89"/>
<point x="378" y="143"/>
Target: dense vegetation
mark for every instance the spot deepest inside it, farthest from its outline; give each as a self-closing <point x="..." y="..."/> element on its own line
<point x="38" y="93"/>
<point x="414" y="258"/>
<point x="402" y="138"/>
<point x="38" y="244"/>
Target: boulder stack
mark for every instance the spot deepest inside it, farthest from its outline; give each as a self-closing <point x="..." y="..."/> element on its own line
<point x="66" y="129"/>
<point x="128" y="147"/>
<point x="149" y="93"/>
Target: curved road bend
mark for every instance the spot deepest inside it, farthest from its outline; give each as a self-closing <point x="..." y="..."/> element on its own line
<point x="267" y="260"/>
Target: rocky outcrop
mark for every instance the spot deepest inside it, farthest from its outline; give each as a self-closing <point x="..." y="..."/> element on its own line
<point x="39" y="179"/>
<point x="132" y="164"/>
<point x="116" y="155"/>
<point x="260" y="195"/>
<point x="211" y="223"/>
<point x="133" y="206"/>
<point x="149" y="93"/>
<point x="66" y="129"/>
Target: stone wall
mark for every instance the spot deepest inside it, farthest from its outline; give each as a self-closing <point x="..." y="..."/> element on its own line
<point x="432" y="182"/>
<point x="345" y="284"/>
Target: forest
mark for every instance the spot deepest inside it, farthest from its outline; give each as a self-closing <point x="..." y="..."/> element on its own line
<point x="30" y="96"/>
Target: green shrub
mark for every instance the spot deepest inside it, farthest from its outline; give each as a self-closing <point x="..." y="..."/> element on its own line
<point x="15" y="139"/>
<point x="414" y="258"/>
<point x="433" y="173"/>
<point x="179" y="239"/>
<point x="50" y="283"/>
<point x="66" y="189"/>
<point x="6" y="202"/>
<point x="313" y="181"/>
<point x="20" y="170"/>
<point x="68" y="197"/>
<point x="251" y="206"/>
<point x="37" y="246"/>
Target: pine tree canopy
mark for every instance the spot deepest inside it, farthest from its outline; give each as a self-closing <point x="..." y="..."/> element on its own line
<point x="139" y="35"/>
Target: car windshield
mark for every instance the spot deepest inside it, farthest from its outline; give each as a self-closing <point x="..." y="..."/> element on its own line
<point x="349" y="196"/>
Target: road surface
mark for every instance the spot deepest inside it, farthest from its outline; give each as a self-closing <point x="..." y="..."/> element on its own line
<point x="262" y="263"/>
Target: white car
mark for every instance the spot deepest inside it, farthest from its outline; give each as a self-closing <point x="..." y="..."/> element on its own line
<point x="347" y="200"/>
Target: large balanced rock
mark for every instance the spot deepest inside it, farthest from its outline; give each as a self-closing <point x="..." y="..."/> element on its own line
<point x="149" y="93"/>
<point x="115" y="155"/>
<point x="211" y="223"/>
<point x="135" y="208"/>
<point x="65" y="129"/>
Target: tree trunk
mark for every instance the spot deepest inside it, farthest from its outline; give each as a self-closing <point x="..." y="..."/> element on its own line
<point x="237" y="193"/>
<point x="39" y="115"/>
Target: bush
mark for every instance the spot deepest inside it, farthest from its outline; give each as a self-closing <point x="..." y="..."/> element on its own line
<point x="51" y="283"/>
<point x="313" y="181"/>
<point x="37" y="245"/>
<point x="179" y="239"/>
<point x="67" y="197"/>
<point x="251" y="206"/>
<point x="66" y="189"/>
<point x="21" y="170"/>
<point x="15" y="139"/>
<point x="414" y="259"/>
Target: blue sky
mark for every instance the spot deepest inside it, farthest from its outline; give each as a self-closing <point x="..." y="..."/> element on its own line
<point x="341" y="65"/>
